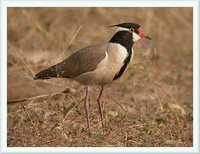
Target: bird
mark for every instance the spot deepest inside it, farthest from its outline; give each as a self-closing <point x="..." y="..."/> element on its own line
<point x="99" y="64"/>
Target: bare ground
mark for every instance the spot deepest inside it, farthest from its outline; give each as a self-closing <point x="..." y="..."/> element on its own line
<point x="151" y="105"/>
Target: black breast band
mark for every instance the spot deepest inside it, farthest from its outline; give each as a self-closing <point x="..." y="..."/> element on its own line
<point x="125" y="39"/>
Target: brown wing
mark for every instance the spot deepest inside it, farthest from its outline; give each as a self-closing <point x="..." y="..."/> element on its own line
<point x="80" y="62"/>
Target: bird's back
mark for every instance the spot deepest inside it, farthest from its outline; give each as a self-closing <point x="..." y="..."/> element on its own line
<point x="82" y="61"/>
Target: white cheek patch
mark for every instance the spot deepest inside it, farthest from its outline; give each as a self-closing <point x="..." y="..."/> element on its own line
<point x="136" y="37"/>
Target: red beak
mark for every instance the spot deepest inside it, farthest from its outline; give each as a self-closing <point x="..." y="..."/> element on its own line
<point x="142" y="34"/>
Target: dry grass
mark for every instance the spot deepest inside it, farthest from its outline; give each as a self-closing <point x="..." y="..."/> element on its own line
<point x="151" y="105"/>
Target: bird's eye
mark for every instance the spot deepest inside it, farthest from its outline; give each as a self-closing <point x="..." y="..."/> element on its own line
<point x="131" y="30"/>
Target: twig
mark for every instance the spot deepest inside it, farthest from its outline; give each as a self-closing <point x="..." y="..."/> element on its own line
<point x="126" y="139"/>
<point x="33" y="98"/>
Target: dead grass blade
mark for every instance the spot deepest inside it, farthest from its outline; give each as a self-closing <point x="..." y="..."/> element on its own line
<point x="70" y="42"/>
<point x="23" y="59"/>
<point x="36" y="25"/>
<point x="77" y="103"/>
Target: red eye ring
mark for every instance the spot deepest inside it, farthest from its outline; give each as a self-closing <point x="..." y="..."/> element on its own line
<point x="131" y="30"/>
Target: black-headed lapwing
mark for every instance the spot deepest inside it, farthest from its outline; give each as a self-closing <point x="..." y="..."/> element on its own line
<point x="98" y="64"/>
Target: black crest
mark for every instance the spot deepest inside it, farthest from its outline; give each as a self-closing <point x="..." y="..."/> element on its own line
<point x="127" y="25"/>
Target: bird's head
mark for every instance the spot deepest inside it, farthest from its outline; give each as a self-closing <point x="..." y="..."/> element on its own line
<point x="134" y="29"/>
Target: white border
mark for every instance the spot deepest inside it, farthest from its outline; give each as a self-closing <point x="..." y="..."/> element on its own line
<point x="97" y="3"/>
<point x="196" y="76"/>
<point x="100" y="3"/>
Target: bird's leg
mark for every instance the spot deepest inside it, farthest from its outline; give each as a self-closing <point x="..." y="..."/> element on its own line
<point x="100" y="105"/>
<point x="86" y="106"/>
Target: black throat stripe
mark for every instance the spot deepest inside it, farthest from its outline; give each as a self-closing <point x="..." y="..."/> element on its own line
<point x="125" y="39"/>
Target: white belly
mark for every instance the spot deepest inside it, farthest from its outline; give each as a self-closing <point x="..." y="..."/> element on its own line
<point x="107" y="68"/>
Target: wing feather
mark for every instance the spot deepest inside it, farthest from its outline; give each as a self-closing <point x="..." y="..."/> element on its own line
<point x="80" y="62"/>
